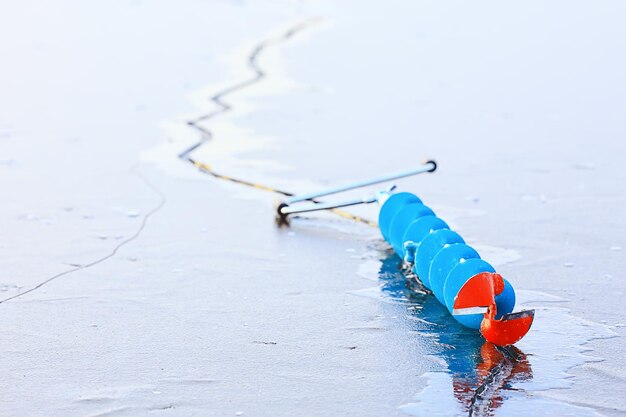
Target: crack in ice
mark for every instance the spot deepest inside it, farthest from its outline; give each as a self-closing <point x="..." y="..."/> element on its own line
<point x="144" y="221"/>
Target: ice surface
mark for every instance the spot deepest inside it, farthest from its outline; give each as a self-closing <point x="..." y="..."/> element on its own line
<point x="463" y="361"/>
<point x="157" y="290"/>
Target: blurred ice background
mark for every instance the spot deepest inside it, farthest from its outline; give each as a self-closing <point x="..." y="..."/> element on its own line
<point x="177" y="295"/>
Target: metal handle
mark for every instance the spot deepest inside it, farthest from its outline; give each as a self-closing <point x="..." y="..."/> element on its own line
<point x="429" y="166"/>
<point x="286" y="210"/>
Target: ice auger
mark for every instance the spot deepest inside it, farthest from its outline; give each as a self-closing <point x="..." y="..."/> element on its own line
<point x="468" y="286"/>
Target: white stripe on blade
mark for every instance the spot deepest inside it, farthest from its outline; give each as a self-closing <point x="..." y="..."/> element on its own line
<point x="469" y="310"/>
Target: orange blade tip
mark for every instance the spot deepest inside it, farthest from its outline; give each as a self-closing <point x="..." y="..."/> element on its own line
<point x="510" y="329"/>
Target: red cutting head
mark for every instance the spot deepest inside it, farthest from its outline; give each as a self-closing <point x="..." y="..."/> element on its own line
<point x="509" y="329"/>
<point x="479" y="292"/>
<point x="479" y="295"/>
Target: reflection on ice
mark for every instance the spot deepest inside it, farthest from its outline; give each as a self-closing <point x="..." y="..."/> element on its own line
<point x="474" y="377"/>
<point x="478" y="374"/>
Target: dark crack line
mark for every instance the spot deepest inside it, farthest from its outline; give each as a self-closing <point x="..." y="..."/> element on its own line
<point x="481" y="401"/>
<point x="223" y="107"/>
<point x="144" y="221"/>
<point x="482" y="398"/>
<point x="259" y="75"/>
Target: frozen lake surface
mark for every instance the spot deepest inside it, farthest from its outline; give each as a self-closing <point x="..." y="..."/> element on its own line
<point x="133" y="284"/>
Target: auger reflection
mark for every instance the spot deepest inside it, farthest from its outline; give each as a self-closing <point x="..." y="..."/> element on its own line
<point x="482" y="373"/>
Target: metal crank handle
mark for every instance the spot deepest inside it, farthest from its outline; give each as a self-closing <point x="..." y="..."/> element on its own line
<point x="284" y="210"/>
<point x="428" y="166"/>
